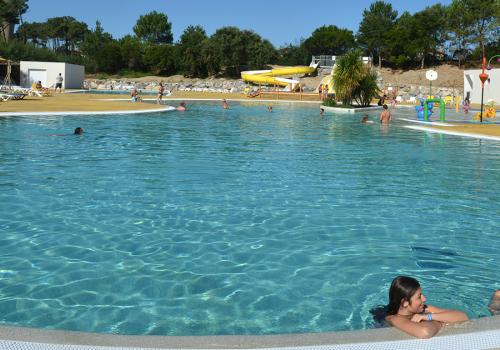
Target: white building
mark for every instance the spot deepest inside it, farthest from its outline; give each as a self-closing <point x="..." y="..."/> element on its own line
<point x="46" y="72"/>
<point x="472" y="86"/>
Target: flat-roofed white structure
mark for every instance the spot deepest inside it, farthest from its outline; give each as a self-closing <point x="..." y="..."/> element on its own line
<point x="472" y="86"/>
<point x="46" y="72"/>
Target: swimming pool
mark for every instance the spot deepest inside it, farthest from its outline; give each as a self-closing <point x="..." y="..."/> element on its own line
<point x="238" y="221"/>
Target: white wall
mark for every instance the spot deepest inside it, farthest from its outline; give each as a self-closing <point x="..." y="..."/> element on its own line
<point x="472" y="85"/>
<point x="73" y="74"/>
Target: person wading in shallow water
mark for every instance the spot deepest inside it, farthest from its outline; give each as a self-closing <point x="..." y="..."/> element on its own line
<point x="385" y="116"/>
<point x="181" y="107"/>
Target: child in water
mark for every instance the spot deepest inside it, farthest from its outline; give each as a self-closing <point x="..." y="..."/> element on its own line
<point x="365" y="120"/>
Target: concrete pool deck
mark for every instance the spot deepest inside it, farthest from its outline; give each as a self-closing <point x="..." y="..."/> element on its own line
<point x="483" y="333"/>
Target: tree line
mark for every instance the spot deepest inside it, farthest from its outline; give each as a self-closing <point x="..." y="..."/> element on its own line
<point x="464" y="30"/>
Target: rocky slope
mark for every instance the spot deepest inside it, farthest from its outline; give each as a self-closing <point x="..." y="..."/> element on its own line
<point x="404" y="83"/>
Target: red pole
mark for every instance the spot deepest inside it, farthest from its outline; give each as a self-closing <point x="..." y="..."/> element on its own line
<point x="483" y="77"/>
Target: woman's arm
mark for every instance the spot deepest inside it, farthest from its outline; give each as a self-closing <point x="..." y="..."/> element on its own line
<point x="446" y="316"/>
<point x="423" y="330"/>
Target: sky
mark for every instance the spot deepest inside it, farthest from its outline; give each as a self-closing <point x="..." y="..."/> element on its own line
<point x="279" y="21"/>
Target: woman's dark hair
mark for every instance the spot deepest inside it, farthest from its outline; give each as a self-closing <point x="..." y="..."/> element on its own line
<point x="402" y="289"/>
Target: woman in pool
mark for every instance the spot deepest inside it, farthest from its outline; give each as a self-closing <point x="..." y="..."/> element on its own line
<point x="407" y="311"/>
<point x="495" y="303"/>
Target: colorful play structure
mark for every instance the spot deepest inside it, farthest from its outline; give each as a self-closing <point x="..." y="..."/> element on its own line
<point x="425" y="110"/>
<point x="489" y="113"/>
<point x="275" y="77"/>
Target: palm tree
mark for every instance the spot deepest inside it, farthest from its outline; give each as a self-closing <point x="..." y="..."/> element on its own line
<point x="348" y="73"/>
<point x="367" y="89"/>
<point x="353" y="81"/>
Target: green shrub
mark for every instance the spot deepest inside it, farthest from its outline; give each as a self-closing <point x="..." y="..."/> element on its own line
<point x="367" y="89"/>
<point x="329" y="102"/>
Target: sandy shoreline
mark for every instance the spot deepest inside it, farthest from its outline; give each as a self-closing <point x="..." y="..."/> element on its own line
<point x="102" y="102"/>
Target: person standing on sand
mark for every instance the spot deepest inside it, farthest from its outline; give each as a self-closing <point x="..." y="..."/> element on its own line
<point x="161" y="90"/>
<point x="381" y="101"/>
<point x="466" y="105"/>
<point x="325" y="92"/>
<point x="59" y="81"/>
<point x="385" y="116"/>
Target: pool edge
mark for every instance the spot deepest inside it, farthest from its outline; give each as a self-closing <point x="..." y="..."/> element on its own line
<point x="53" y="338"/>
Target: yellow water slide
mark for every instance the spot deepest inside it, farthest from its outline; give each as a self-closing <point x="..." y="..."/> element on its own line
<point x="274" y="76"/>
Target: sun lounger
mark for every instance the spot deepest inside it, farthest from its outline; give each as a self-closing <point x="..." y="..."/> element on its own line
<point x="12" y="96"/>
<point x="39" y="93"/>
<point x="5" y="97"/>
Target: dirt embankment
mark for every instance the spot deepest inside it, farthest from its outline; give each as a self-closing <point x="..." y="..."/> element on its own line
<point x="448" y="76"/>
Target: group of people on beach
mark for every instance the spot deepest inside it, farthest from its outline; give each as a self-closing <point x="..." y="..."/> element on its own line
<point x="134" y="94"/>
<point x="38" y="86"/>
<point x="323" y="91"/>
<point x="134" y="97"/>
<point x="407" y="310"/>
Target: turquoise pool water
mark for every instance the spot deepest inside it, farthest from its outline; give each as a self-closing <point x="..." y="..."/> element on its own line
<point x="238" y="221"/>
